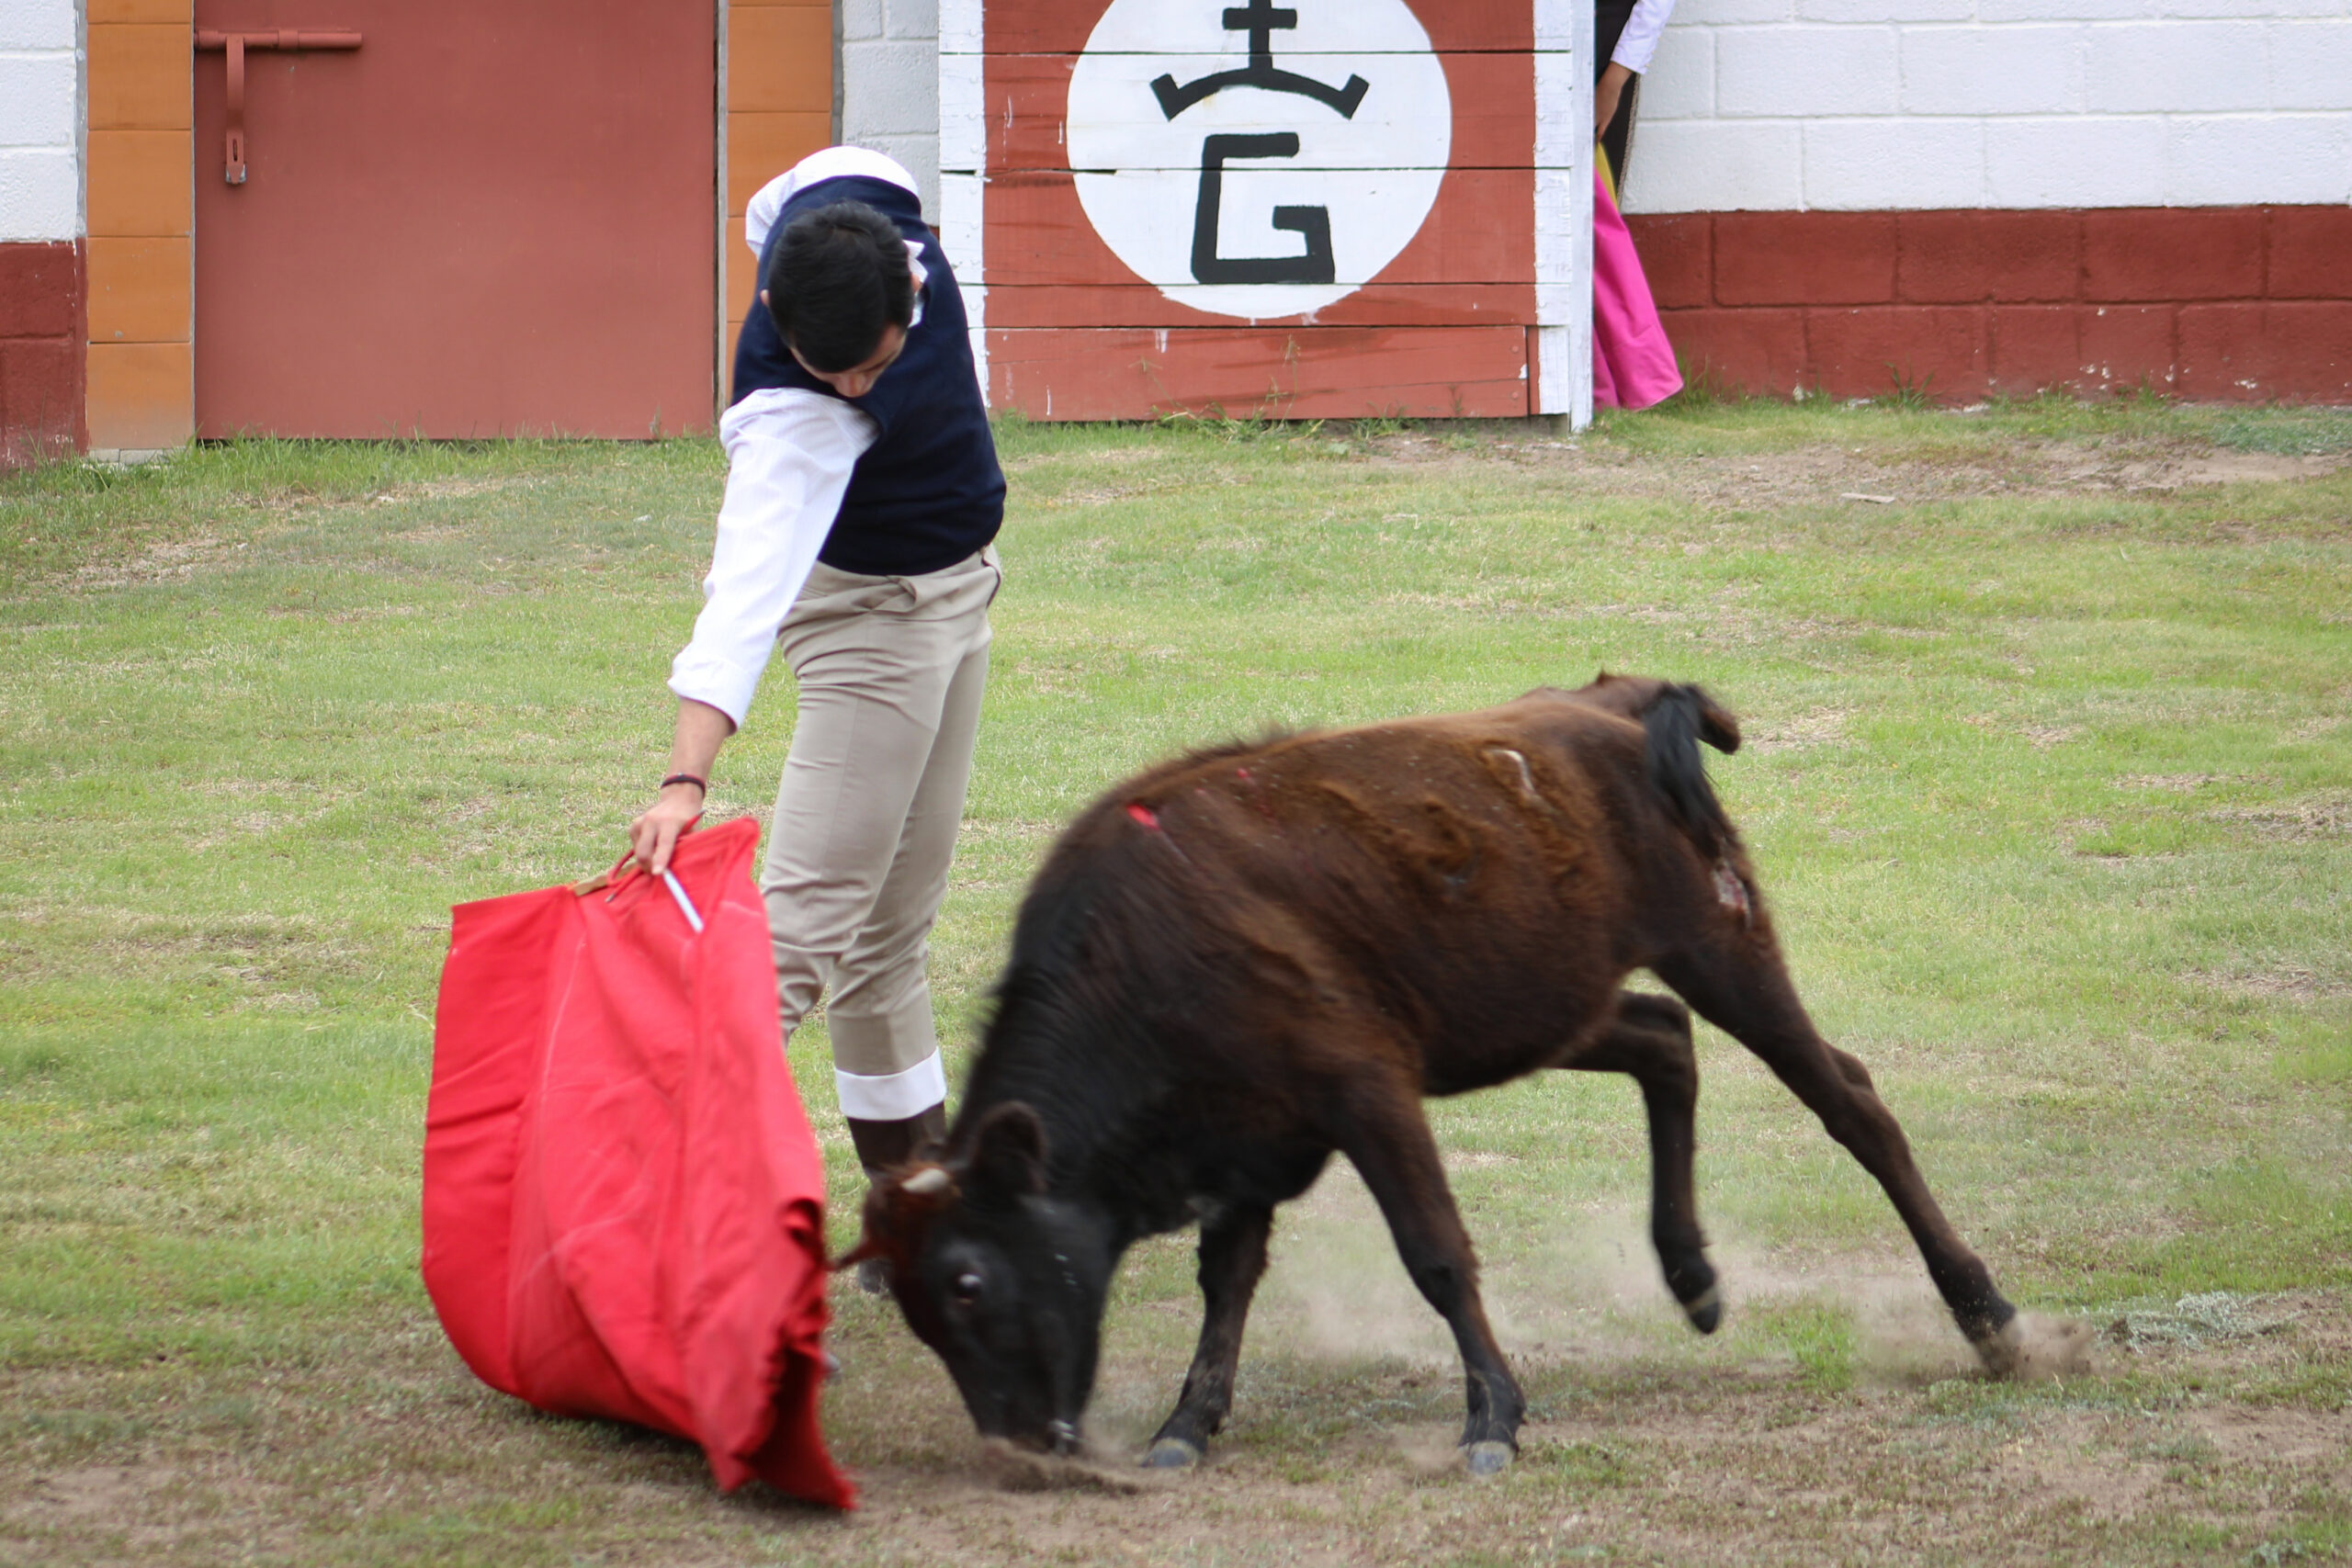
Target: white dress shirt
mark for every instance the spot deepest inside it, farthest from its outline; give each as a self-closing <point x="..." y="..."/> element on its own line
<point x="789" y="456"/>
<point x="1638" y="42"/>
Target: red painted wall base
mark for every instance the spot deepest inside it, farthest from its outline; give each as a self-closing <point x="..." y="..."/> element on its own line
<point x="44" y="307"/>
<point x="2238" y="304"/>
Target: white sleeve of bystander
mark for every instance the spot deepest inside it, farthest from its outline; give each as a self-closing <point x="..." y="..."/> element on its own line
<point x="789" y="456"/>
<point x="1638" y="42"/>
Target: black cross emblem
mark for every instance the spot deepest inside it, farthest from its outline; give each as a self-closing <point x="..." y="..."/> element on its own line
<point x="1260" y="20"/>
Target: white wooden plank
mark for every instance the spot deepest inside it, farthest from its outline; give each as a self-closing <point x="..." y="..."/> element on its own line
<point x="960" y="27"/>
<point x="1564" y="209"/>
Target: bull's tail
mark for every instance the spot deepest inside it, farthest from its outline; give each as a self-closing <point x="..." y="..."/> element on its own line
<point x="1676" y="720"/>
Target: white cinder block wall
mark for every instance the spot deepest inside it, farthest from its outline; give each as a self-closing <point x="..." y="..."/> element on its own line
<point x="1874" y="105"/>
<point x="40" y="120"/>
<point x="889" y="84"/>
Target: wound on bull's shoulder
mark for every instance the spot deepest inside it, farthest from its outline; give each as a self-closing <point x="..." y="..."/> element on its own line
<point x="1731" y="892"/>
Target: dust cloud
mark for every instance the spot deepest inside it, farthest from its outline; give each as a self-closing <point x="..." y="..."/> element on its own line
<point x="1589" y="1290"/>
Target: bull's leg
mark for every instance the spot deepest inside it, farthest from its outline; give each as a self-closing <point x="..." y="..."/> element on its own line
<point x="1233" y="1254"/>
<point x="1650" y="1041"/>
<point x="1741" y="989"/>
<point x="1389" y="1144"/>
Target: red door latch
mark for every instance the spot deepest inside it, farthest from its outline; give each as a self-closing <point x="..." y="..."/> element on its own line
<point x="236" y="43"/>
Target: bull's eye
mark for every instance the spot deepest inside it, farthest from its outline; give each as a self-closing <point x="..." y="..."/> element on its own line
<point x="967" y="1290"/>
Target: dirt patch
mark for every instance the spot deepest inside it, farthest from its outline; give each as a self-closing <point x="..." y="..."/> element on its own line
<point x="452" y="490"/>
<point x="1820" y="727"/>
<point x="2288" y="982"/>
<point x="1861" y="480"/>
<point x="2318" y="816"/>
<point x="170" y="561"/>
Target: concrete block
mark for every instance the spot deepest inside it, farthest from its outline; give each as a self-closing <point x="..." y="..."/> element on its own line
<point x="39" y="24"/>
<point x="1976" y="70"/>
<point x="1678" y="257"/>
<point x="1886" y="10"/>
<point x="911" y="18"/>
<point x="40" y="398"/>
<point x="2299" y="350"/>
<point x="1941" y="349"/>
<point x="1740" y="351"/>
<point x="2169" y="254"/>
<point x="2125" y="347"/>
<point x="2075" y="161"/>
<point x="1805" y="258"/>
<point x="1964" y="257"/>
<point x="889" y="89"/>
<point x="38" y="94"/>
<point x="1806" y="72"/>
<point x="2301" y="158"/>
<point x="862" y="20"/>
<point x="1878" y="165"/>
<point x="1997" y="11"/>
<point x="2033" y="347"/>
<point x="920" y="156"/>
<point x="2310" y="253"/>
<point x="2239" y="9"/>
<point x="1680" y="83"/>
<point x="2311" y="65"/>
<point x="40" y="287"/>
<point x="1713" y="166"/>
<point x="40" y="194"/>
<point x="2178" y="68"/>
<point x="1732" y="13"/>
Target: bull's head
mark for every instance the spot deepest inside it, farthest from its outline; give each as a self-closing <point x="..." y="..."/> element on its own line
<point x="1006" y="1283"/>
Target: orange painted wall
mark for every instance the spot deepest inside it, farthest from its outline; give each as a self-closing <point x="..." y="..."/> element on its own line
<point x="139" y="165"/>
<point x="779" y="109"/>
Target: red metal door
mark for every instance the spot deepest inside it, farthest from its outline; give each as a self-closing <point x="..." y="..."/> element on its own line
<point x="485" y="220"/>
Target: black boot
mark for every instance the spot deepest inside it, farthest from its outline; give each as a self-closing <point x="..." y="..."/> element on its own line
<point x="883" y="1146"/>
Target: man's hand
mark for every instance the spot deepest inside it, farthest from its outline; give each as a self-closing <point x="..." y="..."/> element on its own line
<point x="1607" y="95"/>
<point x="653" y="836"/>
<point x="702" y="730"/>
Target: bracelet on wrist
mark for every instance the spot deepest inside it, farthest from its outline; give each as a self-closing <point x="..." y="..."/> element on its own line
<point x="702" y="784"/>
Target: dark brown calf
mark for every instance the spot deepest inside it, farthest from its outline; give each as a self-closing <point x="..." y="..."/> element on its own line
<point x="1239" y="961"/>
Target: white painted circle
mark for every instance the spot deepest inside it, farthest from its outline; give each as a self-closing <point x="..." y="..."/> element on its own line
<point x="1375" y="174"/>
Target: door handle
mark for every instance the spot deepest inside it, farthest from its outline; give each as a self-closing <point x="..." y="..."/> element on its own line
<point x="235" y="44"/>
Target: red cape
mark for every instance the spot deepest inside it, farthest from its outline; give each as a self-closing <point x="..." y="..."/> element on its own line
<point x="623" y="1206"/>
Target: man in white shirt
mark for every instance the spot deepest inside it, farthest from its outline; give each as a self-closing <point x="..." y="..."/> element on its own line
<point x="863" y="495"/>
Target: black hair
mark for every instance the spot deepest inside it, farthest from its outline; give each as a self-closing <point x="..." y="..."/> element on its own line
<point x="836" y="279"/>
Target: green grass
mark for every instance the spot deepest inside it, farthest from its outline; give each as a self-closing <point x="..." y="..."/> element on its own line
<point x="2047" y="781"/>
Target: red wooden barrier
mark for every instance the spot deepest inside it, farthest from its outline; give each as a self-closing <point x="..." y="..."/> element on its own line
<point x="1323" y="208"/>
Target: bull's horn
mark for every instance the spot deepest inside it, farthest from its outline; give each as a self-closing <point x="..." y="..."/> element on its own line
<point x="931" y="1179"/>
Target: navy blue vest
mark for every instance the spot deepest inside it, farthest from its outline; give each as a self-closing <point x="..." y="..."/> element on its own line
<point x="928" y="492"/>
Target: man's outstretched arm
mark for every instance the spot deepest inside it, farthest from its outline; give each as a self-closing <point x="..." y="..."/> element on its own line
<point x="702" y="730"/>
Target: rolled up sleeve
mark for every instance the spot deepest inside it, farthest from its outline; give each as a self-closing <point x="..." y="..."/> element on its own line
<point x="789" y="456"/>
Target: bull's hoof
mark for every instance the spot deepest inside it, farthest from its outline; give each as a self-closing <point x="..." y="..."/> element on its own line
<point x="2027" y="1349"/>
<point x="1171" y="1453"/>
<point x="2003" y="1351"/>
<point x="1489" y="1458"/>
<point x="1706" y="1314"/>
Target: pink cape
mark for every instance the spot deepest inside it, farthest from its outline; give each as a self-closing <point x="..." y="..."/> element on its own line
<point x="1632" y="363"/>
<point x="623" y="1206"/>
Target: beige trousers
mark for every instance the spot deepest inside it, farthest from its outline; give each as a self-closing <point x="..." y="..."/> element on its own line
<point x="891" y="671"/>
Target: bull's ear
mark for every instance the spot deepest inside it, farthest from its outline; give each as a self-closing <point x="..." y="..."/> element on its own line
<point x="1717" y="727"/>
<point x="1008" y="1153"/>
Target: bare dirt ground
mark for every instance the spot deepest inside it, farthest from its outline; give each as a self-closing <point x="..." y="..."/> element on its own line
<point x="1869" y="476"/>
<point x="2193" y="1440"/>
